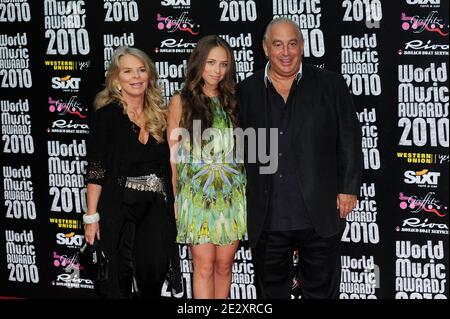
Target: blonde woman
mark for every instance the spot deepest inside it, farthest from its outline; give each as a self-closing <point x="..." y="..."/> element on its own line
<point x="129" y="198"/>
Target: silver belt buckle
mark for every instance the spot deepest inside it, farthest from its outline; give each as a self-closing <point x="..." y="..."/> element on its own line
<point x="150" y="181"/>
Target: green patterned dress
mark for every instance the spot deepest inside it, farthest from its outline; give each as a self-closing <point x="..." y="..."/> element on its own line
<point x="211" y="187"/>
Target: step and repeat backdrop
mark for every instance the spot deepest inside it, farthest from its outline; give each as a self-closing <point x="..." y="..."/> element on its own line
<point x="393" y="55"/>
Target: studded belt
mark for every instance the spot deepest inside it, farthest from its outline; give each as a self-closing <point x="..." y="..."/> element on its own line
<point x="148" y="183"/>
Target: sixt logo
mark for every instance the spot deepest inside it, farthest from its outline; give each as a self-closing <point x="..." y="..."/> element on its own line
<point x="70" y="240"/>
<point x="176" y="3"/>
<point x="66" y="83"/>
<point x="425" y="3"/>
<point x="422" y="178"/>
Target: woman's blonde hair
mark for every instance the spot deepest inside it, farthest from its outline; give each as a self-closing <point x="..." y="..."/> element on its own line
<point x="154" y="107"/>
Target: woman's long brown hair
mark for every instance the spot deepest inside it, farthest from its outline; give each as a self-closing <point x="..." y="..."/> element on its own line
<point x="195" y="104"/>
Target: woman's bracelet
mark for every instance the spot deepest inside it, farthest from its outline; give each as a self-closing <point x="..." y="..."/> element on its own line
<point x="91" y="218"/>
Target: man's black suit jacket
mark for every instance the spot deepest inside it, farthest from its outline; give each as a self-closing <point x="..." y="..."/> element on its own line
<point x="326" y="143"/>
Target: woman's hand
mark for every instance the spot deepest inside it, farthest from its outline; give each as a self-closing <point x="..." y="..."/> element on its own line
<point x="93" y="195"/>
<point x="91" y="231"/>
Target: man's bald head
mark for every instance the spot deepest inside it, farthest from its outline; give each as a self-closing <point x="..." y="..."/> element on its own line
<point x="280" y="21"/>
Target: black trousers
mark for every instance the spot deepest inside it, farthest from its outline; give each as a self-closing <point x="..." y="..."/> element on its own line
<point x="142" y="256"/>
<point x="319" y="264"/>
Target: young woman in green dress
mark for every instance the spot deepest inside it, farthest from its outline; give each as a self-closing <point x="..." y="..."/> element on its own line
<point x="209" y="183"/>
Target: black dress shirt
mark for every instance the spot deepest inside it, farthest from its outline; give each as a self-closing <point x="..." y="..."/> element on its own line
<point x="287" y="210"/>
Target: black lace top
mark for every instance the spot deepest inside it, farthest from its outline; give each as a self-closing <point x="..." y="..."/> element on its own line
<point x="110" y="125"/>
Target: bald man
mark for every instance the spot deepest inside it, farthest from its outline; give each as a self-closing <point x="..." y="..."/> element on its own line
<point x="302" y="205"/>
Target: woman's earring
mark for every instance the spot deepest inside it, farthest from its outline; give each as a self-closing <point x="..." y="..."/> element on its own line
<point x="119" y="88"/>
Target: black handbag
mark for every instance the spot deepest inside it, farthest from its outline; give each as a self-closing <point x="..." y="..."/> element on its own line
<point x="94" y="262"/>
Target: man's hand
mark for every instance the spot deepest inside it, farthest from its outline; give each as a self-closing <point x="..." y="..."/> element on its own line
<point x="345" y="204"/>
